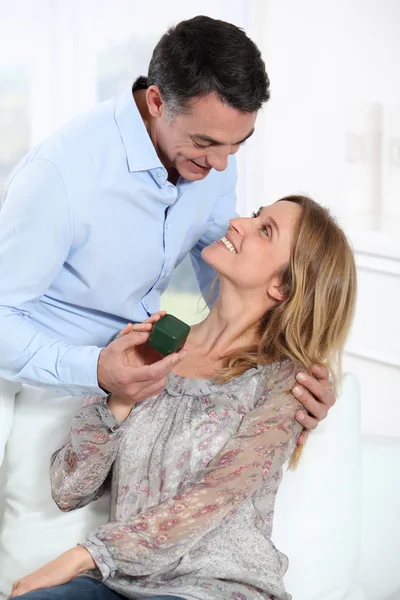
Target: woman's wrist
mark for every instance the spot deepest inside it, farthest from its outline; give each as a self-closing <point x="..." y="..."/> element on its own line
<point x="85" y="560"/>
<point x="118" y="407"/>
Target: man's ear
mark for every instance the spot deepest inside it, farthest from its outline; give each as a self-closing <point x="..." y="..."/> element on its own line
<point x="276" y="289"/>
<point x="154" y="100"/>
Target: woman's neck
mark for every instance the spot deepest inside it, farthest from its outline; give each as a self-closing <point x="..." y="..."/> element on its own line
<point x="222" y="331"/>
<point x="228" y="327"/>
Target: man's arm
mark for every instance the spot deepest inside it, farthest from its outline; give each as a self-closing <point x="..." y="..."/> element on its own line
<point x="35" y="239"/>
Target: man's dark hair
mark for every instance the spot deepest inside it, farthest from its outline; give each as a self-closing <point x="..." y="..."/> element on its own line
<point x="203" y="55"/>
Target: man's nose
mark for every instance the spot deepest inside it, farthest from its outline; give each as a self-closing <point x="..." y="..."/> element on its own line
<point x="218" y="160"/>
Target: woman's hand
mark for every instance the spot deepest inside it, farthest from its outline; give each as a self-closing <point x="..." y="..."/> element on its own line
<point x="59" y="571"/>
<point x="317" y="397"/>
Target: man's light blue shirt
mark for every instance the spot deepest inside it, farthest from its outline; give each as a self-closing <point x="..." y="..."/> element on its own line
<point x="90" y="232"/>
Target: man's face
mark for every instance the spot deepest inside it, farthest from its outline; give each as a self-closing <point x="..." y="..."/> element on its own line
<point x="201" y="140"/>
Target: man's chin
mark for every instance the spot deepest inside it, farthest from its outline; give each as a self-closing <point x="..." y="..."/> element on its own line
<point x="192" y="171"/>
<point x="194" y="176"/>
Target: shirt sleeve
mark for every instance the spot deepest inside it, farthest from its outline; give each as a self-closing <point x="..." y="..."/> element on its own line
<point x="156" y="539"/>
<point x="35" y="240"/>
<point x="224" y="210"/>
<point x="78" y="471"/>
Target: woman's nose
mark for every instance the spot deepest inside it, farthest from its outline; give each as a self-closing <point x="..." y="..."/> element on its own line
<point x="238" y="224"/>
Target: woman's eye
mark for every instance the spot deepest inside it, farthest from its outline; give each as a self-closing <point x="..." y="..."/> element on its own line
<point x="266" y="231"/>
<point x="264" y="228"/>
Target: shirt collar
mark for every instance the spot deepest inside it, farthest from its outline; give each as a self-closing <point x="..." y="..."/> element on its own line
<point x="140" y="152"/>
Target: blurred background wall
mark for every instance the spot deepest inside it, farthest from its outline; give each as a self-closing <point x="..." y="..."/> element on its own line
<point x="331" y="130"/>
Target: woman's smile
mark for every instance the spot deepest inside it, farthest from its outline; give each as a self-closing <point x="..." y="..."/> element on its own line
<point x="228" y="244"/>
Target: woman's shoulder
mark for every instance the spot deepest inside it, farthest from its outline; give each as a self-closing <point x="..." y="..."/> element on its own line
<point x="261" y="380"/>
<point x="279" y="375"/>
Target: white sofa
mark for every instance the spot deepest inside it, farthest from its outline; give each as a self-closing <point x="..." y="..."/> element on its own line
<point x="318" y="510"/>
<point x="379" y="571"/>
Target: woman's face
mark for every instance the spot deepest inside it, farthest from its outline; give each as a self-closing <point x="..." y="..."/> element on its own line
<point x="255" y="250"/>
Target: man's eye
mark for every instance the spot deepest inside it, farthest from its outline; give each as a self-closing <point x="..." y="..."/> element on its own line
<point x="199" y="145"/>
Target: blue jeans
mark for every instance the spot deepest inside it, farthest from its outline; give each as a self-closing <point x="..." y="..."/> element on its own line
<point x="81" y="588"/>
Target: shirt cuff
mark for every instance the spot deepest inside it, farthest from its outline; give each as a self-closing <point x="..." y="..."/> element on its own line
<point x="78" y="369"/>
<point x="101" y="556"/>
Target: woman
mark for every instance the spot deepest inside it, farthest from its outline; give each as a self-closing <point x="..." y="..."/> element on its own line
<point x="192" y="501"/>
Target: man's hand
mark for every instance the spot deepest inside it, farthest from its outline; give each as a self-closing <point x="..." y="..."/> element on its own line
<point x="59" y="571"/>
<point x="132" y="370"/>
<point x="317" y="397"/>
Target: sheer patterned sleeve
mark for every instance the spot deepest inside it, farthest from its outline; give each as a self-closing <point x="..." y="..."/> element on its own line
<point x="157" y="538"/>
<point x="79" y="469"/>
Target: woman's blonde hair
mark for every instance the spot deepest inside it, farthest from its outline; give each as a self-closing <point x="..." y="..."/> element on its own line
<point x="311" y="325"/>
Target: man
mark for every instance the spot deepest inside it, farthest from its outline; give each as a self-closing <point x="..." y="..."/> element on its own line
<point x="96" y="218"/>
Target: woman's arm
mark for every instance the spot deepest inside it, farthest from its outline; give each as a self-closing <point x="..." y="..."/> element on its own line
<point x="79" y="469"/>
<point x="61" y="570"/>
<point x="160" y="536"/>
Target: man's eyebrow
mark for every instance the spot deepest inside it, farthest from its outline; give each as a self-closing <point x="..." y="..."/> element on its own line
<point x="209" y="140"/>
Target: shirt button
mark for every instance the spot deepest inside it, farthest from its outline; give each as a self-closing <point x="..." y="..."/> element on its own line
<point x="170" y="190"/>
<point x="160" y="174"/>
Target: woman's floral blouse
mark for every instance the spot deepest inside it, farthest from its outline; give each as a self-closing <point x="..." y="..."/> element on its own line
<point x="194" y="473"/>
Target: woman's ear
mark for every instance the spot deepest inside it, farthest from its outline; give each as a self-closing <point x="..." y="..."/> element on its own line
<point x="276" y="289"/>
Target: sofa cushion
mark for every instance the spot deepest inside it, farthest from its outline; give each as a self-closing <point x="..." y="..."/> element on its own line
<point x="318" y="507"/>
<point x="34" y="531"/>
<point x="7" y="395"/>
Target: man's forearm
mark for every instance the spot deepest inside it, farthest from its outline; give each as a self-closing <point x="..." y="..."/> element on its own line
<point x="30" y="356"/>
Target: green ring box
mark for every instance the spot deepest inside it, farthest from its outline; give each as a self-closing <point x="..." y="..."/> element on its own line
<point x="168" y="335"/>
